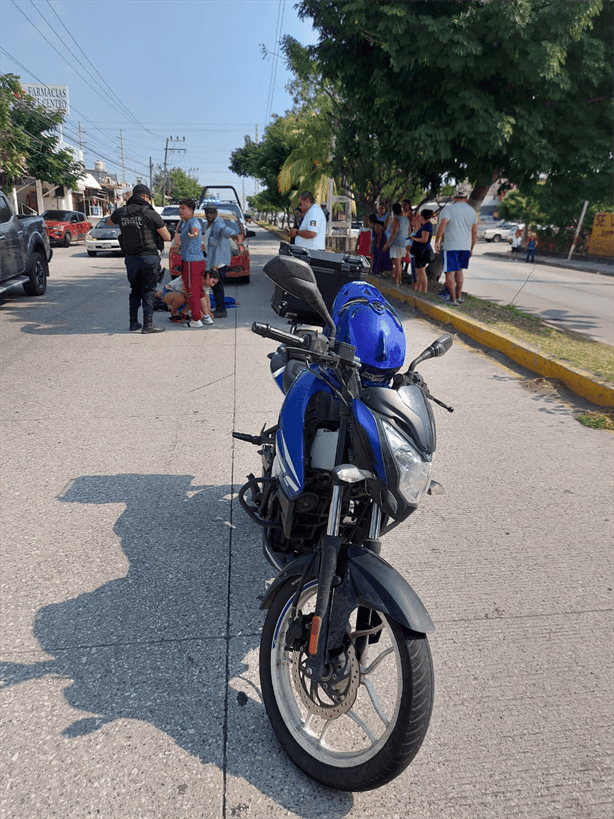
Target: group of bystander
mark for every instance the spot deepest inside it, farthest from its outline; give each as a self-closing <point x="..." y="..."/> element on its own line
<point x="401" y="238"/>
<point x="204" y="257"/>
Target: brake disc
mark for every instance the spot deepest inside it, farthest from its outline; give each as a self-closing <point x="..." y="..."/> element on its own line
<point x="335" y="693"/>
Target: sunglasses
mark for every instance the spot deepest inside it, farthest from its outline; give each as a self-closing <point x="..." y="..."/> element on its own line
<point x="210" y="210"/>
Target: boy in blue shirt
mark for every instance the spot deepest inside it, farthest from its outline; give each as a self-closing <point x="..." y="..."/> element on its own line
<point x="189" y="237"/>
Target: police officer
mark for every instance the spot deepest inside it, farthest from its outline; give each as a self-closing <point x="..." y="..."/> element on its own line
<point x="143" y="234"/>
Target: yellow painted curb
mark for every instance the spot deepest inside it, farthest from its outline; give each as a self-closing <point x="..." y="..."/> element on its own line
<point x="578" y="381"/>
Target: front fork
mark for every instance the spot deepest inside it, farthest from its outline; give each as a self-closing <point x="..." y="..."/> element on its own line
<point x="330" y="549"/>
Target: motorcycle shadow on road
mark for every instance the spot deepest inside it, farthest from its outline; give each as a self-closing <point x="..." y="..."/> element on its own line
<point x="154" y="645"/>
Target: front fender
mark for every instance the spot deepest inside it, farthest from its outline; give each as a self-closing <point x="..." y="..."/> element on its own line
<point x="382" y="588"/>
<point x="375" y="584"/>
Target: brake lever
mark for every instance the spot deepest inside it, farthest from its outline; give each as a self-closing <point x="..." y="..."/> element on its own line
<point x="437" y="401"/>
<point x="405" y="379"/>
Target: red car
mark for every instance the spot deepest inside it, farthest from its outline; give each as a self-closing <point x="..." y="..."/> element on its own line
<point x="66" y="226"/>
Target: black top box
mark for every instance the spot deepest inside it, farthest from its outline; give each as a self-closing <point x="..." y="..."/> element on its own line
<point x="332" y="271"/>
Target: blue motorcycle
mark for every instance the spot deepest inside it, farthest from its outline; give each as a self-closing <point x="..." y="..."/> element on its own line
<point x="345" y="666"/>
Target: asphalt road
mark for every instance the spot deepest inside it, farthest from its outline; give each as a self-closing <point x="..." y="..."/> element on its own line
<point x="571" y="299"/>
<point x="130" y="578"/>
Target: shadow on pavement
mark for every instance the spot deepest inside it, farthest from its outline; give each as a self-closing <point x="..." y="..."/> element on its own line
<point x="154" y="645"/>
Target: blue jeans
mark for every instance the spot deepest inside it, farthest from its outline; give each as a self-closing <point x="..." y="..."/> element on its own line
<point x="218" y="290"/>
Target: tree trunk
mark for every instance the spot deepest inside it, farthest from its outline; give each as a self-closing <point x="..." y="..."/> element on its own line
<point x="477" y="195"/>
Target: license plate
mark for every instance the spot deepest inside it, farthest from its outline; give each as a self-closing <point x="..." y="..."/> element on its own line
<point x="104" y="244"/>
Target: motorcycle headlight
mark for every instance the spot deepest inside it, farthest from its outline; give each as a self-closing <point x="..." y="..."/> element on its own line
<point x="414" y="473"/>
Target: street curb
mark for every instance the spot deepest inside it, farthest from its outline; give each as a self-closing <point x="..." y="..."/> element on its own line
<point x="577" y="381"/>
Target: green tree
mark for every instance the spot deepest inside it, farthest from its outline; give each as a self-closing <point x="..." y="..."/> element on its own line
<point x="307" y="166"/>
<point x="178" y="185"/>
<point x="472" y="90"/>
<point x="29" y="140"/>
<point x="519" y="207"/>
<point x="337" y="140"/>
<point x="264" y="160"/>
<point x="554" y="217"/>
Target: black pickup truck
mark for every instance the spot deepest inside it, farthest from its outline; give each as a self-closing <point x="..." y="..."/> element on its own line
<point x="25" y="251"/>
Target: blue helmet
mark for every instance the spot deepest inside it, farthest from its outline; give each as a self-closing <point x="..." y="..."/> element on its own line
<point x="365" y="319"/>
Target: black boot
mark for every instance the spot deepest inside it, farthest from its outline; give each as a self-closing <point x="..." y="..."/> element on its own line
<point x="148" y="325"/>
<point x="135" y="303"/>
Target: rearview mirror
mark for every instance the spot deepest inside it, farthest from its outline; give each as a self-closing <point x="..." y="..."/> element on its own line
<point x="297" y="278"/>
<point x="442" y="345"/>
<point x="250" y="234"/>
<point x="439" y="347"/>
<point x="292" y="275"/>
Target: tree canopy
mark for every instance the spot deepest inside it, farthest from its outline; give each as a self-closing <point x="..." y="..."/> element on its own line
<point x="473" y="90"/>
<point x="264" y="160"/>
<point x="178" y="185"/>
<point x="29" y="140"/>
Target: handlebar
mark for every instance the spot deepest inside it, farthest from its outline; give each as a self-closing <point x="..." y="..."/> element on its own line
<point x="266" y="331"/>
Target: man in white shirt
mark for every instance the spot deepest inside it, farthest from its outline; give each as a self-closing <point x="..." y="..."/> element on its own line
<point x="457" y="232"/>
<point x="312" y="232"/>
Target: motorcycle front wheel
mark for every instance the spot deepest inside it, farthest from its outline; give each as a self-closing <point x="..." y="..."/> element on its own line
<point x="363" y="725"/>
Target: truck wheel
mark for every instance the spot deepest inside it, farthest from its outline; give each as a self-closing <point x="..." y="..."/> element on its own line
<point x="38" y="276"/>
<point x="91" y="252"/>
<point x="67" y="239"/>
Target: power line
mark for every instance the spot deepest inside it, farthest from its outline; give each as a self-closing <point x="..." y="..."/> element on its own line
<point x="59" y="53"/>
<point x="67" y="125"/>
<point x="73" y="136"/>
<point x="279" y="28"/>
<point x="124" y="107"/>
<point x="35" y="113"/>
<point x="105" y="95"/>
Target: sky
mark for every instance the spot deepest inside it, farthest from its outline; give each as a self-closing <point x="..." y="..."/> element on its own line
<point x="156" y="69"/>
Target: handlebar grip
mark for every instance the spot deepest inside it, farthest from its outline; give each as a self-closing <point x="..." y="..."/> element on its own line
<point x="266" y="331"/>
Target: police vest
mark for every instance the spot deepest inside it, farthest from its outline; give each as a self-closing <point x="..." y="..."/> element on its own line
<point x="139" y="236"/>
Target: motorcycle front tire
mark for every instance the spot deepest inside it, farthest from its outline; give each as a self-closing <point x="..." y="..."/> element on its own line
<point x="374" y="740"/>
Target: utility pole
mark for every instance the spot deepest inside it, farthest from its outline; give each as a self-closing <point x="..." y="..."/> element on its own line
<point x="80" y="142"/>
<point x="575" y="238"/>
<point x="150" y="175"/>
<point x="255" y="180"/>
<point x="166" y="150"/>
<point x="123" y="156"/>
